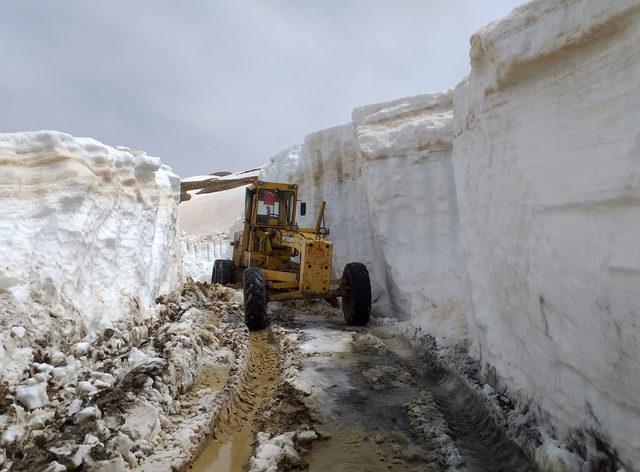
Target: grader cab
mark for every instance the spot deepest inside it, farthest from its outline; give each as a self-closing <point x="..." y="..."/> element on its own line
<point x="277" y="260"/>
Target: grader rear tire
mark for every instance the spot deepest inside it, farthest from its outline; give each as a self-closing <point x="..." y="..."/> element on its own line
<point x="255" y="299"/>
<point x="215" y="273"/>
<point x="356" y="302"/>
<point x="226" y="272"/>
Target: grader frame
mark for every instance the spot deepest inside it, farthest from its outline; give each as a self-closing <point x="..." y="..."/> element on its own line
<point x="287" y="262"/>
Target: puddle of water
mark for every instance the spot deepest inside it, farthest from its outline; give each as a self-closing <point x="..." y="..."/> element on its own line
<point x="231" y="447"/>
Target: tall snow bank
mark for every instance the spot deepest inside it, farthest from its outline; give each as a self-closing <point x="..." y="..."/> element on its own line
<point x="388" y="181"/>
<point x="546" y="162"/>
<point x="327" y="167"/>
<point x="406" y="153"/>
<point x="86" y="230"/>
<point x="205" y="221"/>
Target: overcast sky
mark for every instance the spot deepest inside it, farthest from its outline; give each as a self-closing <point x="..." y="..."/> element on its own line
<point x="223" y="85"/>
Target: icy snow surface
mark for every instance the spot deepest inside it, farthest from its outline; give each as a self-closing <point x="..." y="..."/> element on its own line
<point x="546" y="159"/>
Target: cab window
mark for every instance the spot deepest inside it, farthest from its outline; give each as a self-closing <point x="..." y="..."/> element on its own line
<point x="275" y="207"/>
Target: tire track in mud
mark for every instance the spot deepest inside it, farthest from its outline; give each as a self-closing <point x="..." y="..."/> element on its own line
<point x="475" y="435"/>
<point x="231" y="444"/>
<point x="482" y="443"/>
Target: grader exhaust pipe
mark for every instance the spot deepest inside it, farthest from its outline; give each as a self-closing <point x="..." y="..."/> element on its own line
<point x="320" y="216"/>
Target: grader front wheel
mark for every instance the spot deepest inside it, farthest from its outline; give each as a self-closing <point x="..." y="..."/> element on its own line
<point x="356" y="302"/>
<point x="255" y="298"/>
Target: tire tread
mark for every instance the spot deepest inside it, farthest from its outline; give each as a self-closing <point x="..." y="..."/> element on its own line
<point x="255" y="299"/>
<point x="356" y="303"/>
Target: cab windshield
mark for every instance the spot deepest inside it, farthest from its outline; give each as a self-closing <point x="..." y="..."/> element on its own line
<point x="275" y="207"/>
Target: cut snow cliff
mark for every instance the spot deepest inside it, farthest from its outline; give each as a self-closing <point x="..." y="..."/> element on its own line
<point x="547" y="164"/>
<point x="388" y="178"/>
<point x="86" y="228"/>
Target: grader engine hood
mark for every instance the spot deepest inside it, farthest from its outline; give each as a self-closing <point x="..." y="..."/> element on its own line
<point x="315" y="266"/>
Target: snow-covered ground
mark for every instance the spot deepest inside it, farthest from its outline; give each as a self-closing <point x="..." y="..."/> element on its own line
<point x="134" y="398"/>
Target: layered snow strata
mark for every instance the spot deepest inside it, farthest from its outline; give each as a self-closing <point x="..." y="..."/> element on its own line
<point x="88" y="233"/>
<point x="406" y="157"/>
<point x="388" y="180"/>
<point x="548" y="177"/>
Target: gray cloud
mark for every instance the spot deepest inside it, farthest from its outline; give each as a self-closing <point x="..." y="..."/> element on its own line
<point x="210" y="85"/>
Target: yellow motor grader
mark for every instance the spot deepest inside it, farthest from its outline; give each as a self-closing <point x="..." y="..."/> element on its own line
<point x="277" y="260"/>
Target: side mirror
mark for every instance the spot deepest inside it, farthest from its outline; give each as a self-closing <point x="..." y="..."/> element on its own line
<point x="303" y="208"/>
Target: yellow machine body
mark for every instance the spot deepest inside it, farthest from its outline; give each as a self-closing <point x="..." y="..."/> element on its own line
<point x="296" y="262"/>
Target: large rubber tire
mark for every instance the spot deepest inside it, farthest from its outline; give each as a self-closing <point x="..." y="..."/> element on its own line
<point x="215" y="273"/>
<point x="226" y="272"/>
<point x="356" y="302"/>
<point x="255" y="299"/>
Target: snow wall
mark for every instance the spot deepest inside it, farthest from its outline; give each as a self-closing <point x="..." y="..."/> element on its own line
<point x="88" y="234"/>
<point x="200" y="252"/>
<point x="388" y="179"/>
<point x="547" y="165"/>
<point x="542" y="259"/>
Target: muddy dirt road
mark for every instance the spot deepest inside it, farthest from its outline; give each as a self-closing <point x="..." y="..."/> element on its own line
<point x="372" y="390"/>
<point x="231" y="445"/>
<point x="371" y="403"/>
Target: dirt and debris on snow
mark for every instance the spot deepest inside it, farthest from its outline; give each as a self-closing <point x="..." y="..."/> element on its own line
<point x="129" y="397"/>
<point x="193" y="389"/>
